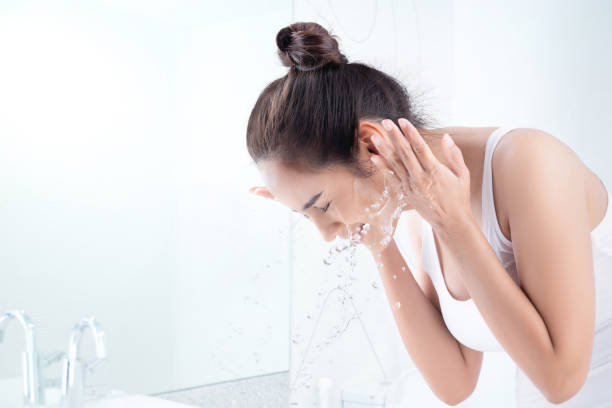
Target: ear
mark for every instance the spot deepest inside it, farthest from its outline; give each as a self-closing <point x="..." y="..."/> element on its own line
<point x="366" y="129"/>
<point x="261" y="191"/>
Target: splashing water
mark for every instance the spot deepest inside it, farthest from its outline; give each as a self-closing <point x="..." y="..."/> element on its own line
<point x="382" y="217"/>
<point x="391" y="196"/>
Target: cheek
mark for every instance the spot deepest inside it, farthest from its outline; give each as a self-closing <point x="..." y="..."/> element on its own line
<point x="352" y="211"/>
<point x="367" y="192"/>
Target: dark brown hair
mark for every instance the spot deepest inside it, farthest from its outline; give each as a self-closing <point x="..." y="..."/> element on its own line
<point x="308" y="119"/>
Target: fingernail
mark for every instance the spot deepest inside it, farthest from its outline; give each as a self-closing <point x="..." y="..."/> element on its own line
<point x="375" y="139"/>
<point x="387" y="124"/>
<point x="447" y="140"/>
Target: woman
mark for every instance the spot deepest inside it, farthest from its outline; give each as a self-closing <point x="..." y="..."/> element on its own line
<point x="521" y="263"/>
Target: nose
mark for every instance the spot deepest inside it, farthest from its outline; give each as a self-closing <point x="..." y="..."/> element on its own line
<point x="329" y="230"/>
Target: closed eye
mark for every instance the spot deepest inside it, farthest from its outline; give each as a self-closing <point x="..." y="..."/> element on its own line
<point x="324" y="209"/>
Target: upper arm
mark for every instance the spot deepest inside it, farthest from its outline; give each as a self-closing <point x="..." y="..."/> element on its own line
<point x="544" y="192"/>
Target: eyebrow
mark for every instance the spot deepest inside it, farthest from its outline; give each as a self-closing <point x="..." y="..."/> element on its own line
<point x="312" y="200"/>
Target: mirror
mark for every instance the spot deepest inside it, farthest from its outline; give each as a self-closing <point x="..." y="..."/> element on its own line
<point x="124" y="179"/>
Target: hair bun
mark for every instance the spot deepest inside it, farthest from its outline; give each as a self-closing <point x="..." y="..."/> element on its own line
<point x="308" y="46"/>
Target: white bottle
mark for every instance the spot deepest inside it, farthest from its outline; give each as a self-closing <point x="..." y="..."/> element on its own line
<point x="325" y="384"/>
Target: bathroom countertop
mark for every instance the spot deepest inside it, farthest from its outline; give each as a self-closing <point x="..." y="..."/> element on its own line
<point x="264" y="391"/>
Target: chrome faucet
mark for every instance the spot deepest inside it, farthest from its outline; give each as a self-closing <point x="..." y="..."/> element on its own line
<point x="31" y="384"/>
<point x="73" y="378"/>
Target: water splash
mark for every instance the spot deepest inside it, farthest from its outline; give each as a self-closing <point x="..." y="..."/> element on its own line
<point x="380" y="217"/>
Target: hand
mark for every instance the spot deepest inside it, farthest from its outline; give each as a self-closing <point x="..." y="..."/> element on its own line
<point x="441" y="195"/>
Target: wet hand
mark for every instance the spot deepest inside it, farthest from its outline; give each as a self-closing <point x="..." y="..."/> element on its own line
<point x="440" y="194"/>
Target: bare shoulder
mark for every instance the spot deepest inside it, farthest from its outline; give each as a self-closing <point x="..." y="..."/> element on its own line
<point x="535" y="143"/>
<point x="523" y="151"/>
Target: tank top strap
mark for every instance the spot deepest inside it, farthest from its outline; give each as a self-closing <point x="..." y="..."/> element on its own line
<point x="489" y="222"/>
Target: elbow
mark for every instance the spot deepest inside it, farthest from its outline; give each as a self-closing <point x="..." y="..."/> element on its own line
<point x="564" y="385"/>
<point x="453" y="400"/>
<point x="457" y="396"/>
<point x="562" y="393"/>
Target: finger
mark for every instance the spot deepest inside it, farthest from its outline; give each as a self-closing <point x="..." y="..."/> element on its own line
<point x="392" y="160"/>
<point x="419" y="146"/>
<point x="397" y="179"/>
<point x="454" y="155"/>
<point x="403" y="149"/>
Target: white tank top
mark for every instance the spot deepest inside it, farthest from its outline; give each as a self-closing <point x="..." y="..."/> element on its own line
<point x="467" y="325"/>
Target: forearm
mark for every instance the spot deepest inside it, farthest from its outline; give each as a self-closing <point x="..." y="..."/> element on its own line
<point x="508" y="312"/>
<point x="431" y="346"/>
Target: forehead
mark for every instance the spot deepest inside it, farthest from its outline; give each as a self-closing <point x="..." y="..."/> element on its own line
<point x="294" y="187"/>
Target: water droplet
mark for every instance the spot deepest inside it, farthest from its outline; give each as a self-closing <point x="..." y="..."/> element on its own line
<point x="403" y="268"/>
<point x="394" y="276"/>
<point x="397" y="305"/>
<point x="374" y="285"/>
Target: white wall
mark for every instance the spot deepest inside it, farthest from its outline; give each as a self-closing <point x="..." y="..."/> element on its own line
<point x="539" y="64"/>
<point x="543" y="64"/>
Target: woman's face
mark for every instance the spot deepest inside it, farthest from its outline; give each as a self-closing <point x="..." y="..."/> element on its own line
<point x="335" y="200"/>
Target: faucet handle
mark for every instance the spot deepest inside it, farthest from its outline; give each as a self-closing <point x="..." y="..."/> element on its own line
<point x="91" y="365"/>
<point x="45" y="359"/>
<point x="49" y="357"/>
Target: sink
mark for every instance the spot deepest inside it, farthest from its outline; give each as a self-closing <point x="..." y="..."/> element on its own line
<point x="11" y="396"/>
